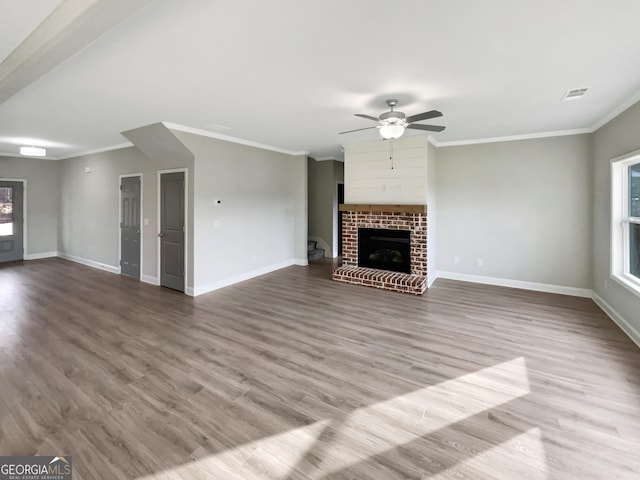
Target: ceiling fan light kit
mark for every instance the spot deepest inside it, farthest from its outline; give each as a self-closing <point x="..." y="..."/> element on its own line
<point x="391" y="131"/>
<point x="392" y="124"/>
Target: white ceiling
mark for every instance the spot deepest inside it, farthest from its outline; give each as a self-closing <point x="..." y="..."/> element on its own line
<point x="19" y="19"/>
<point x="291" y="73"/>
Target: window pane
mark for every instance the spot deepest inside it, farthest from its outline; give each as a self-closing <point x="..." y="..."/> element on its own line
<point x="6" y="211"/>
<point x="634" y="246"/>
<point x="634" y="190"/>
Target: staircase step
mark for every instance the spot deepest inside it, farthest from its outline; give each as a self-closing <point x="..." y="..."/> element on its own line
<point x="311" y="245"/>
<point x="316" y="254"/>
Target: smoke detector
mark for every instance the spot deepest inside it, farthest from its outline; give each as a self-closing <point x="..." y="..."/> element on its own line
<point x="575" y="93"/>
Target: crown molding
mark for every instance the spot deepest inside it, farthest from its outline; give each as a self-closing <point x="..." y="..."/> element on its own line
<point x="229" y="138"/>
<point x="507" y="138"/>
<point x="17" y="155"/>
<point x="629" y="102"/>
<point x="432" y="141"/>
<point x="512" y="138"/>
<point x="98" y="150"/>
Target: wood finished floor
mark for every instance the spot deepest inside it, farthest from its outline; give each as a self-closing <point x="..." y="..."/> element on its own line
<point x="293" y="376"/>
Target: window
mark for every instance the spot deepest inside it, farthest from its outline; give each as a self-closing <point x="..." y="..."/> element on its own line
<point x="6" y="211"/>
<point x="633" y="220"/>
<point x="625" y="216"/>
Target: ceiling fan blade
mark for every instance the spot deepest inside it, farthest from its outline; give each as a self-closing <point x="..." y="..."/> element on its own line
<point x="368" y="117"/>
<point x="424" y="116"/>
<point x="357" y="130"/>
<point x="431" y="128"/>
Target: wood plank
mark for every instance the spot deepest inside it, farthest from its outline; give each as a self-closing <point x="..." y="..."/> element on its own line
<point x="352" y="207"/>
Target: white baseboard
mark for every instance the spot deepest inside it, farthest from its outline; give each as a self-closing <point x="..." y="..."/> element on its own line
<point x="149" y="279"/>
<point x="301" y="262"/>
<point x="504" y="282"/>
<point x="328" y="252"/>
<point x="40" y="256"/>
<point x="241" y="277"/>
<point x="431" y="278"/>
<point x="624" y="324"/>
<point x="90" y="263"/>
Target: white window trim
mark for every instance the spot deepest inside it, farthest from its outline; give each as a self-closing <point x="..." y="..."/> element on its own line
<point x="620" y="221"/>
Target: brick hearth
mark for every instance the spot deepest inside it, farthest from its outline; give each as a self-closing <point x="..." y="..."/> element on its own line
<point x="394" y="217"/>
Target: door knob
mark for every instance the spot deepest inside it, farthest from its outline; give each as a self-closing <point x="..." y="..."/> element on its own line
<point x="161" y="234"/>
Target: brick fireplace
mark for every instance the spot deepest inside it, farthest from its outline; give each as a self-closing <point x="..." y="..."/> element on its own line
<point x="411" y="218"/>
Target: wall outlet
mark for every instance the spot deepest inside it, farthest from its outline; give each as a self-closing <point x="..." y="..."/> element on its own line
<point x="480" y="262"/>
<point x="145" y="222"/>
<point x="456" y="260"/>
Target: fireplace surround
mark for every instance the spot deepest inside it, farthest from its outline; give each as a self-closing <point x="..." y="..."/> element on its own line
<point x="406" y="218"/>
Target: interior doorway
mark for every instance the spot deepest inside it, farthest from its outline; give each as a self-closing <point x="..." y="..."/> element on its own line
<point x="11" y="220"/>
<point x="340" y="202"/>
<point x="130" y="227"/>
<point x="172" y="230"/>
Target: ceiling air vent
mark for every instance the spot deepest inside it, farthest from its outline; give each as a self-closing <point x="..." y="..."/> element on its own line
<point x="575" y="93"/>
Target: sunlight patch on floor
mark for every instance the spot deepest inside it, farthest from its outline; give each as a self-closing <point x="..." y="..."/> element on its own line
<point x="521" y="457"/>
<point x="274" y="457"/>
<point x="10" y="326"/>
<point x="332" y="445"/>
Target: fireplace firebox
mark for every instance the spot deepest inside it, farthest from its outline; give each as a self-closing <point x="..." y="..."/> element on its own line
<point x="384" y="249"/>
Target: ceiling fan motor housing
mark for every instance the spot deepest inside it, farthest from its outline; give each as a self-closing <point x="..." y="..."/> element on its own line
<point x="396" y="118"/>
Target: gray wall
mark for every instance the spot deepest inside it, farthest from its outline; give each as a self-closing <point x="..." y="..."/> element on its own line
<point x="323" y="194"/>
<point x="618" y="137"/>
<point x="42" y="201"/>
<point x="524" y="207"/>
<point x="300" y="196"/>
<point x="89" y="206"/>
<point x="261" y="221"/>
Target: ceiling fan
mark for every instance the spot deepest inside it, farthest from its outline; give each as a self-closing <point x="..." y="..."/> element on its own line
<point x="392" y="124"/>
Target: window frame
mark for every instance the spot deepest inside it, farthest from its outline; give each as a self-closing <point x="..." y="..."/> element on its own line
<point x="621" y="221"/>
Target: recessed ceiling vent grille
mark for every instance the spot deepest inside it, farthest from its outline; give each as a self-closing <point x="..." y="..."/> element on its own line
<point x="575" y="93"/>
